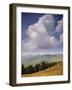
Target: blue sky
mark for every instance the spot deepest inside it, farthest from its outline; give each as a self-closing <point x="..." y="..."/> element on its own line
<point x="36" y="26"/>
<point x="31" y="18"/>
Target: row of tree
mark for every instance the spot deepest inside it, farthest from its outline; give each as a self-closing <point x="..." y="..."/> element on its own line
<point x="38" y="67"/>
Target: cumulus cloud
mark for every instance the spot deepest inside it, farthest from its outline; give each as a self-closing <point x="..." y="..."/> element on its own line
<point x="61" y="38"/>
<point x="59" y="27"/>
<point x="40" y="35"/>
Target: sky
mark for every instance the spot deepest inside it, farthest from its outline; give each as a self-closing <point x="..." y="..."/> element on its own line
<point x="41" y="33"/>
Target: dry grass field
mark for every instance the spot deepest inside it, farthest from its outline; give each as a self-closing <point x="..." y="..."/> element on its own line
<point x="52" y="71"/>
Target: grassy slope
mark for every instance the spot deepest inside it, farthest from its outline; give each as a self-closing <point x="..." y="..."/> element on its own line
<point x="54" y="70"/>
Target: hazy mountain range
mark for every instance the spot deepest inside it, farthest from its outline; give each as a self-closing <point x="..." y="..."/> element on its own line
<point x="34" y="59"/>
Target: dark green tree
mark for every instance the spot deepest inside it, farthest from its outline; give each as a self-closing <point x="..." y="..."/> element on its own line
<point x="36" y="67"/>
<point x="43" y="65"/>
<point x="23" y="69"/>
<point x="29" y="69"/>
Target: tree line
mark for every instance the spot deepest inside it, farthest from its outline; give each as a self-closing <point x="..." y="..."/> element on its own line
<point x="36" y="68"/>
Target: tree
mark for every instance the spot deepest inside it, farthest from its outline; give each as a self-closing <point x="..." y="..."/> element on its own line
<point x="23" y="69"/>
<point x="43" y="65"/>
<point x="29" y="69"/>
<point x="36" y="67"/>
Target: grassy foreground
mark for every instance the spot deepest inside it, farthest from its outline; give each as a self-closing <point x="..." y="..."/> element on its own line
<point x="52" y="71"/>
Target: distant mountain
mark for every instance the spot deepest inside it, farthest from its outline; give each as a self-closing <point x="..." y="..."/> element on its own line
<point x="34" y="59"/>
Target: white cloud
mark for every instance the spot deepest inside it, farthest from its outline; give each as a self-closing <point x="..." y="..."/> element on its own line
<point x="59" y="27"/>
<point x="40" y="34"/>
<point x="61" y="38"/>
